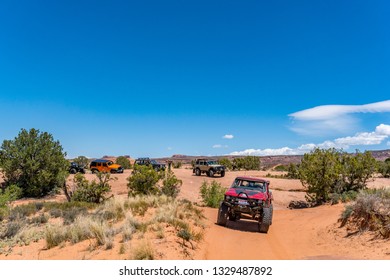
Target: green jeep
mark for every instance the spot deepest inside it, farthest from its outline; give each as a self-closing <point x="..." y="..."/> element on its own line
<point x="208" y="166"/>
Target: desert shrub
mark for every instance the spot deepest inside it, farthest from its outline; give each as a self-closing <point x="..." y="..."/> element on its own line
<point x="343" y="197"/>
<point x="177" y="164"/>
<point x="82" y="161"/>
<point x="24" y="210"/>
<point x="34" y="162"/>
<point x="293" y="171"/>
<point x="247" y="163"/>
<point x="40" y="219"/>
<point x="370" y="211"/>
<point x="64" y="206"/>
<point x="185" y="235"/>
<point x="71" y="214"/>
<point x="11" y="229"/>
<point x="112" y="209"/>
<point x="319" y="172"/>
<point x="171" y="185"/>
<point x="357" y="169"/>
<point x="384" y="168"/>
<point x="324" y="172"/>
<point x="94" y="191"/>
<point x="227" y="163"/>
<point x="212" y="194"/>
<point x="127" y="232"/>
<point x="144" y="251"/>
<point x="281" y="168"/>
<point x="54" y="236"/>
<point x="55" y="213"/>
<point x="9" y="194"/>
<point x="124" y="162"/>
<point x="143" y="181"/>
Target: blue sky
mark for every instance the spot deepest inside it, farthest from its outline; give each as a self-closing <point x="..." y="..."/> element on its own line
<point x="156" y="78"/>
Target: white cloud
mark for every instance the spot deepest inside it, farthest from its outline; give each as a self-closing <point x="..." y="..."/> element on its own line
<point x="381" y="133"/>
<point x="383" y="129"/>
<point x="218" y="146"/>
<point x="333" y="118"/>
<point x="327" y="112"/>
<point x="228" y="136"/>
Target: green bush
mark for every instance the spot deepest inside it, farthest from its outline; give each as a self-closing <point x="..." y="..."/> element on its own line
<point x="94" y="192"/>
<point x="171" y="185"/>
<point x="293" y="171"/>
<point x="9" y="194"/>
<point x="384" y="168"/>
<point x="212" y="194"/>
<point x="34" y="162"/>
<point x="227" y="163"/>
<point x="247" y="163"/>
<point x="324" y="172"/>
<point x="281" y="168"/>
<point x="143" y="181"/>
<point x="124" y="162"/>
<point x="82" y="161"/>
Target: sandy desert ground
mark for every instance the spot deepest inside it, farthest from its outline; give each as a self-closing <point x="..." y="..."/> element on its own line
<point x="295" y="234"/>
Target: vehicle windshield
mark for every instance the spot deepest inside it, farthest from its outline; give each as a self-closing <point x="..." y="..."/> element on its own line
<point x="239" y="183"/>
<point x="212" y="162"/>
<point x="110" y="163"/>
<point x="153" y="161"/>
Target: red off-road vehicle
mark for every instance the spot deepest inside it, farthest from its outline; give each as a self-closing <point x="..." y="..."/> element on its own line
<point x="247" y="198"/>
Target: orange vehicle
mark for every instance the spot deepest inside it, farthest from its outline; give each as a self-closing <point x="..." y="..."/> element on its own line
<point x="106" y="166"/>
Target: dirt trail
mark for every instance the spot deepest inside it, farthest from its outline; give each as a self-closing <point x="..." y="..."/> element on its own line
<point x="293" y="235"/>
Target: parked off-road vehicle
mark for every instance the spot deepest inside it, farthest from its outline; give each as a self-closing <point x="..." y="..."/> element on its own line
<point x="247" y="198"/>
<point x="150" y="162"/>
<point x="105" y="166"/>
<point x="208" y="166"/>
<point x="76" y="168"/>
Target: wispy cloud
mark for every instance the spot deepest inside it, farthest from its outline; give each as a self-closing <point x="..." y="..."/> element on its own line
<point x="333" y="118"/>
<point x="228" y="136"/>
<point x="381" y="133"/>
<point x="218" y="146"/>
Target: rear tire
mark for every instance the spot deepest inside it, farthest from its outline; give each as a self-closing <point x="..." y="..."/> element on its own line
<point x="266" y="220"/>
<point x="223" y="174"/>
<point x="73" y="171"/>
<point x="211" y="173"/>
<point x="222" y="215"/>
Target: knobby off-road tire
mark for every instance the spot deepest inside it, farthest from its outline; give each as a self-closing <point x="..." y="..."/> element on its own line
<point x="223" y="174"/>
<point x="272" y="212"/>
<point x="222" y="215"/>
<point x="266" y="220"/>
<point x="73" y="171"/>
<point x="197" y="172"/>
<point x="211" y="173"/>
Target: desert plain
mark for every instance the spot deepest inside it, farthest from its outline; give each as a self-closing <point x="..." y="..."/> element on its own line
<point x="295" y="234"/>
